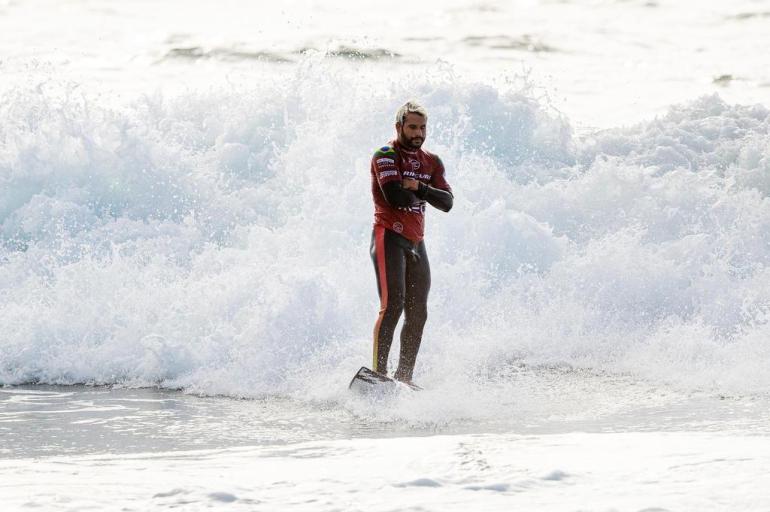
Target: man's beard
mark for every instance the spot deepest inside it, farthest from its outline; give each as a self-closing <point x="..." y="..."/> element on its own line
<point x="413" y="143"/>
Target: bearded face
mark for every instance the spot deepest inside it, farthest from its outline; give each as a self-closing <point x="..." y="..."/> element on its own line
<point x="412" y="132"/>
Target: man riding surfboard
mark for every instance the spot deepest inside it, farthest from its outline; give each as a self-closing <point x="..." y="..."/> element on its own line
<point x="404" y="179"/>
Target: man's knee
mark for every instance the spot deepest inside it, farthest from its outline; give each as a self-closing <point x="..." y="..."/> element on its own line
<point x="394" y="307"/>
<point x="416" y="314"/>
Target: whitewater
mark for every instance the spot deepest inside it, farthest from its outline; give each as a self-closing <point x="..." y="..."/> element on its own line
<point x="186" y="288"/>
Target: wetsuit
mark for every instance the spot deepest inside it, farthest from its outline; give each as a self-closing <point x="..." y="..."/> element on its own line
<point x="398" y="249"/>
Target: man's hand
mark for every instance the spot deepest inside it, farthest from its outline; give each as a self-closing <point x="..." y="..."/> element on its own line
<point x="410" y="184"/>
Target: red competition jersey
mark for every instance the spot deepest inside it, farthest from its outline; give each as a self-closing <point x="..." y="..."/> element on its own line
<point x="394" y="163"/>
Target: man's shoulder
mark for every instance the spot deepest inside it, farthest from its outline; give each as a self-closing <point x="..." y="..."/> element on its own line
<point x="433" y="156"/>
<point x="386" y="151"/>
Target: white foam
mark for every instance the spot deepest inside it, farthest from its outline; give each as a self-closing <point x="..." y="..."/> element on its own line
<point x="218" y="241"/>
<point x="649" y="471"/>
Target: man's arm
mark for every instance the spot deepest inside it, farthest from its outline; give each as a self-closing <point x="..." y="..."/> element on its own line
<point x="436" y="197"/>
<point x="396" y="195"/>
<point x="441" y="199"/>
<point x="439" y="196"/>
<point x="389" y="178"/>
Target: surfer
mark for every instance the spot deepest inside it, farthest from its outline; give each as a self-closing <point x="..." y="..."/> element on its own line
<point x="404" y="178"/>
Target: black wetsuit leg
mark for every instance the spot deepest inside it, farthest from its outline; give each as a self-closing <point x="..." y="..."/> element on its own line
<point x="403" y="283"/>
<point x="390" y="266"/>
<point x="417" y="281"/>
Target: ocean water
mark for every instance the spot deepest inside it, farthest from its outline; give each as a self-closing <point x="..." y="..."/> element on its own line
<point x="185" y="287"/>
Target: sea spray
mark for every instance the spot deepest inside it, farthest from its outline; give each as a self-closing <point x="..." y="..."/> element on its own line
<point x="218" y="240"/>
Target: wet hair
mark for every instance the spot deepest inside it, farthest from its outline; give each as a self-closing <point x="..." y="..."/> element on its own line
<point x="410" y="107"/>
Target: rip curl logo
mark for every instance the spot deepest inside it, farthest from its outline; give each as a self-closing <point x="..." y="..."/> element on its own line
<point x="398" y="227"/>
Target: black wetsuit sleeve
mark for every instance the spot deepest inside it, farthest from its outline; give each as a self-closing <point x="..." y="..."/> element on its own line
<point x="441" y="199"/>
<point x="396" y="196"/>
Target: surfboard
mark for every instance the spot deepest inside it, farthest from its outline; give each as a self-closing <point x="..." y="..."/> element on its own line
<point x="369" y="381"/>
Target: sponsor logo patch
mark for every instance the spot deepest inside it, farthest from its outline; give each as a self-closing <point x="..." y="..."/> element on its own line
<point x="418" y="208"/>
<point x="415" y="164"/>
<point x="386" y="161"/>
<point x="385" y="174"/>
<point x="398" y="227"/>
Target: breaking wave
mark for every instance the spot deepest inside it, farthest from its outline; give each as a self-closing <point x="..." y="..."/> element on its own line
<point x="218" y="241"/>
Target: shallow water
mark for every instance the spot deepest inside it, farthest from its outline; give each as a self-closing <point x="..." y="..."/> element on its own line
<point x="40" y="421"/>
<point x="78" y="448"/>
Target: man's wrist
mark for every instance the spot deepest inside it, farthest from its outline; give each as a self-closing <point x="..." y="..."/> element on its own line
<point x="422" y="189"/>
